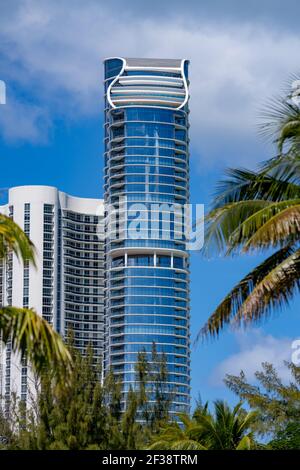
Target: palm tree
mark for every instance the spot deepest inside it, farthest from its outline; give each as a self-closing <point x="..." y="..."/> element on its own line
<point x="260" y="211"/>
<point x="184" y="436"/>
<point x="28" y="333"/>
<point x="225" y="429"/>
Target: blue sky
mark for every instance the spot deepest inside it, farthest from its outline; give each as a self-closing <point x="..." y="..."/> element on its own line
<point x="51" y="127"/>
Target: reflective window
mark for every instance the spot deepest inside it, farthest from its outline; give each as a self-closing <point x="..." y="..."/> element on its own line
<point x="148" y="291"/>
<point x="149" y="272"/>
<point x="140" y="260"/>
<point x="138" y="319"/>
<point x="119" y="261"/>
<point x="112" y="67"/>
<point x="146" y="310"/>
<point x="150" y="130"/>
<point x="178" y="262"/>
<point x="163" y="261"/>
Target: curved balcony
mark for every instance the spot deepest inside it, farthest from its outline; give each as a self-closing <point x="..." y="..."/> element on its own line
<point x="158" y="87"/>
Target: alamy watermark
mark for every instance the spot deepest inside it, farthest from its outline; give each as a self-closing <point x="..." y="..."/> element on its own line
<point x="163" y="224"/>
<point x="2" y="92"/>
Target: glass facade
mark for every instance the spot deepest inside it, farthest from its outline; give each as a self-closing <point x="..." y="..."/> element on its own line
<point x="147" y="164"/>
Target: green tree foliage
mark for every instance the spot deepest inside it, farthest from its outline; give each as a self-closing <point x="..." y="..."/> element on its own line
<point x="277" y="404"/>
<point x="153" y="395"/>
<point x="258" y="211"/>
<point x="287" y="439"/>
<point x="6" y="433"/>
<point x="13" y="239"/>
<point x="84" y="413"/>
<point x="224" y="429"/>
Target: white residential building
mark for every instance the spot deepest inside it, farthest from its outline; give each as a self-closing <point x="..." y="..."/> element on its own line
<point x="66" y="287"/>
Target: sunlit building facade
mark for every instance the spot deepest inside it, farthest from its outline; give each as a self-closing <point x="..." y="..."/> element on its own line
<point x="67" y="285"/>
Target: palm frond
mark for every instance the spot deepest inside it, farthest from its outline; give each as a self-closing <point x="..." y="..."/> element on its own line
<point x="260" y="210"/>
<point x="244" y="185"/>
<point x="284" y="167"/>
<point x="244" y="444"/>
<point x="280" y="226"/>
<point x="159" y="445"/>
<point x="280" y="120"/>
<point x="278" y="271"/>
<point x="34" y="338"/>
<point x="224" y="221"/>
<point x="187" y="444"/>
<point x="184" y="419"/>
<point x="265" y="227"/>
<point x="273" y="291"/>
<point x="12" y="238"/>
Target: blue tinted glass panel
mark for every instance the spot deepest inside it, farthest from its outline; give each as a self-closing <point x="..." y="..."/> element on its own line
<point x="112" y="67"/>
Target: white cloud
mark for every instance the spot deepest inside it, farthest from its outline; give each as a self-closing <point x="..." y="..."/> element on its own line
<point x="55" y="51"/>
<point x="21" y="121"/>
<point x="255" y="348"/>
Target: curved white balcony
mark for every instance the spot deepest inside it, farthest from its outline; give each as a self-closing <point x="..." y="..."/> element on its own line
<point x="156" y="86"/>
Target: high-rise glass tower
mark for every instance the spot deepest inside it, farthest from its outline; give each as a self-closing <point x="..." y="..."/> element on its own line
<point x="147" y="174"/>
